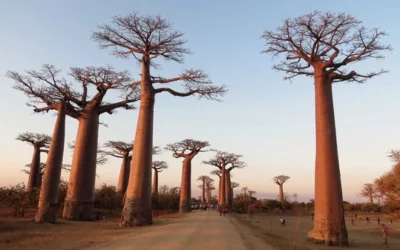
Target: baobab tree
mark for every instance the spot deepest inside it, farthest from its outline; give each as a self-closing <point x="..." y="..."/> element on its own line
<point x="295" y="195"/>
<point x="280" y="180"/>
<point x="40" y="143"/>
<point x="209" y="187"/>
<point x="251" y="192"/>
<point x="322" y="46"/>
<point x="217" y="172"/>
<point x="158" y="167"/>
<point x="148" y="38"/>
<point x="233" y="185"/>
<point x="228" y="185"/>
<point x="47" y="92"/>
<point x="244" y="189"/>
<point x="221" y="160"/>
<point x="203" y="179"/>
<point x="187" y="149"/>
<point x="65" y="167"/>
<point x="368" y="191"/>
<point x="120" y="149"/>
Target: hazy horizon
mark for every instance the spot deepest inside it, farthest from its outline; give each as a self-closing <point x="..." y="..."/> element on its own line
<point x="267" y="120"/>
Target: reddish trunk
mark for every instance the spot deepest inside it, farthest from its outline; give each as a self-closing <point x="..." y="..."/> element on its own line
<point x="208" y="197"/>
<point x="228" y="189"/>
<point x="137" y="207"/>
<point x="223" y="184"/>
<point x="155" y="182"/>
<point x="34" y="172"/>
<point x="281" y="196"/>
<point x="48" y="200"/>
<point x="219" y="190"/>
<point x="78" y="203"/>
<point x="123" y="174"/>
<point x="184" y="201"/>
<point x="203" y="192"/>
<point x="329" y="223"/>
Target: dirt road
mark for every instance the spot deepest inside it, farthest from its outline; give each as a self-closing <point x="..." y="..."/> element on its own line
<point x="197" y="231"/>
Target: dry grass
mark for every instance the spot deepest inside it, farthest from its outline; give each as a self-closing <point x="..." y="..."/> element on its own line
<point x="24" y="234"/>
<point x="361" y="235"/>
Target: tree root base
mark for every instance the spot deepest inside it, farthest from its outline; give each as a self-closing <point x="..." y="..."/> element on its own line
<point x="78" y="210"/>
<point x="135" y="213"/>
<point x="47" y="214"/>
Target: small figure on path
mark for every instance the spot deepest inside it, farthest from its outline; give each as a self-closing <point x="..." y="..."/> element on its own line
<point x="283" y="221"/>
<point x="225" y="210"/>
<point x="220" y="210"/>
<point x="384" y="231"/>
<point x="379" y="221"/>
<point x="391" y="221"/>
<point x="312" y="216"/>
<point x="367" y="219"/>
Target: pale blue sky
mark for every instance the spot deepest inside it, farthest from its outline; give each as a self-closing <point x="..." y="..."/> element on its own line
<point x="268" y="120"/>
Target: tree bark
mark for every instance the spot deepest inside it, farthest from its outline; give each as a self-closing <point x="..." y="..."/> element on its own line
<point x="123" y="174"/>
<point x="155" y="182"/>
<point x="219" y="191"/>
<point x="137" y="208"/>
<point x="208" y="197"/>
<point x="48" y="199"/>
<point x="223" y="180"/>
<point x="228" y="189"/>
<point x="34" y="171"/>
<point x="184" y="200"/>
<point x="281" y="199"/>
<point x="203" y="192"/>
<point x="78" y="203"/>
<point x="329" y="223"/>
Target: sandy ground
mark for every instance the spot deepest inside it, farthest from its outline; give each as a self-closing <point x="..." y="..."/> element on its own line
<point x="198" y="230"/>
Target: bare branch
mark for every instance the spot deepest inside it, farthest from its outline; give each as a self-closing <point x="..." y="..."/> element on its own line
<point x="327" y="41"/>
<point x="35" y="139"/>
<point x="159" y="166"/>
<point x="223" y="159"/>
<point x="187" y="148"/>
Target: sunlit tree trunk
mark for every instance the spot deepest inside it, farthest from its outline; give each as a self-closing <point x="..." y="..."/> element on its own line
<point x="79" y="200"/>
<point x="34" y="171"/>
<point x="137" y="207"/>
<point x="329" y="223"/>
<point x="184" y="201"/>
<point x="124" y="174"/>
<point x="155" y="182"/>
<point x="223" y="180"/>
<point x="48" y="200"/>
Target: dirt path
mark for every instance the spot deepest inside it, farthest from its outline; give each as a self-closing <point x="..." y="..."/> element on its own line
<point x="198" y="230"/>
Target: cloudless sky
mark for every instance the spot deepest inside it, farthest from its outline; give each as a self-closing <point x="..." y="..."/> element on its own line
<point x="267" y="120"/>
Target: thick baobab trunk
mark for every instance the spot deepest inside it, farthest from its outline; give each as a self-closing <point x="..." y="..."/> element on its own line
<point x="184" y="200"/>
<point x="123" y="174"/>
<point x="40" y="180"/>
<point x="208" y="196"/>
<point x="137" y="207"/>
<point x="79" y="200"/>
<point x="231" y="198"/>
<point x="223" y="184"/>
<point x="228" y="189"/>
<point x="155" y="182"/>
<point x="219" y="190"/>
<point x="48" y="199"/>
<point x="329" y="223"/>
<point x="281" y="198"/>
<point x="34" y="172"/>
<point x="203" y="192"/>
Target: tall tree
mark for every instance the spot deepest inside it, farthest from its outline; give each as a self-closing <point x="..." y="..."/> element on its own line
<point x="209" y="187"/>
<point x="244" y="189"/>
<point x="218" y="173"/>
<point x="158" y="167"/>
<point x="186" y="149"/>
<point x="203" y="179"/>
<point x="48" y="92"/>
<point x="228" y="185"/>
<point x="40" y="142"/>
<point x="65" y="167"/>
<point x="147" y="39"/>
<point x="280" y="180"/>
<point x="120" y="149"/>
<point x="322" y="46"/>
<point x="251" y="192"/>
<point x="221" y="160"/>
<point x="368" y="191"/>
<point x="87" y="110"/>
<point x="233" y="185"/>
